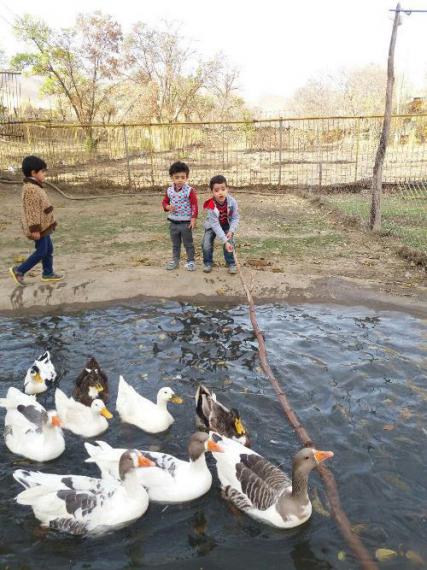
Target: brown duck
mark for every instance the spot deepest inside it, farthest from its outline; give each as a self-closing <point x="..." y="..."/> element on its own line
<point x="214" y="416"/>
<point x="91" y="384"/>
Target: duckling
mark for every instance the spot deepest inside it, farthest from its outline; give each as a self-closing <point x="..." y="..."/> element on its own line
<point x="214" y="416"/>
<point x="80" y="419"/>
<point x="141" y="412"/>
<point x="41" y="372"/>
<point x="92" y="383"/>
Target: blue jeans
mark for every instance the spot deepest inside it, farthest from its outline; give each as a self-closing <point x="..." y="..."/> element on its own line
<point x="43" y="253"/>
<point x="208" y="245"/>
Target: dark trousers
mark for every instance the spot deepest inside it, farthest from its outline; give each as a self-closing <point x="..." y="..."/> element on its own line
<point x="208" y="246"/>
<point x="180" y="232"/>
<point x="43" y="253"/>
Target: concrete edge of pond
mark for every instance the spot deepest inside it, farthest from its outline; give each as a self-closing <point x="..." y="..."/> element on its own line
<point x="95" y="290"/>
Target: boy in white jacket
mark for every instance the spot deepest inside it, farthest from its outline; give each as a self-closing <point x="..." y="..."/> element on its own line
<point x="221" y="221"/>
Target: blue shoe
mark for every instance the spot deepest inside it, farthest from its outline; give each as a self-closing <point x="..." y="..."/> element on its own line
<point x="190" y="266"/>
<point x="173" y="264"/>
<point x="52" y="278"/>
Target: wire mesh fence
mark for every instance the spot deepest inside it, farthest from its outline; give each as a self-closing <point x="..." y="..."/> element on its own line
<point x="331" y="155"/>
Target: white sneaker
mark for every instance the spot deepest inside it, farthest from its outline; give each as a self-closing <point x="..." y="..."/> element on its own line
<point x="190" y="266"/>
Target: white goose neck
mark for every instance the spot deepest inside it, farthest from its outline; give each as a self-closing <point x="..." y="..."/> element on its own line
<point x="199" y="464"/>
<point x="132" y="485"/>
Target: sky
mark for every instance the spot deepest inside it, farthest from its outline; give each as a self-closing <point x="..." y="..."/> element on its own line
<point x="276" y="44"/>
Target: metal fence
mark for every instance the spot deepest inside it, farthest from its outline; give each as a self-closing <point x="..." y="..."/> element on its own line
<point x="333" y="155"/>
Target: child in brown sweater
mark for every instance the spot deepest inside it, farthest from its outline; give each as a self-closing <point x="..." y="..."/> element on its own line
<point x="38" y="222"/>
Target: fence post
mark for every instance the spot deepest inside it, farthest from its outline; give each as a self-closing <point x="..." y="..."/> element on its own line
<point x="279" y="181"/>
<point x="127" y="156"/>
<point x="223" y="147"/>
<point x="357" y="149"/>
<point x="319" y="156"/>
<point x="151" y="156"/>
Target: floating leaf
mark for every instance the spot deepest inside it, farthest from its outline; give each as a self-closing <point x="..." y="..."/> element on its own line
<point x="405" y="414"/>
<point x="397" y="482"/>
<point x="382" y="554"/>
<point x="341" y="555"/>
<point x="359" y="528"/>
<point x="388" y="427"/>
<point x="415" y="557"/>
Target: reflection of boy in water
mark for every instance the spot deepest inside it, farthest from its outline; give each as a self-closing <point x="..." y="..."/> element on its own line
<point x="181" y="203"/>
<point x="221" y="221"/>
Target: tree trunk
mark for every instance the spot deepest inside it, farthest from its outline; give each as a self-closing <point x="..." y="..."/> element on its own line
<point x="375" y="220"/>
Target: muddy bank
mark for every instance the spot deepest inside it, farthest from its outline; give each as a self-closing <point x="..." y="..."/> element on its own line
<point x="291" y="250"/>
<point x="105" y="288"/>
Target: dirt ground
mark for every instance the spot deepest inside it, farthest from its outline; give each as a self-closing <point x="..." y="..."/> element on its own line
<point x="116" y="248"/>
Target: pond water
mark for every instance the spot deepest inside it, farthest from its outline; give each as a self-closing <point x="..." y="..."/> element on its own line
<point x="355" y="376"/>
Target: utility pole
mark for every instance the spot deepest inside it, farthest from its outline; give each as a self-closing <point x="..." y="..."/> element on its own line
<point x="377" y="176"/>
<point x="375" y="218"/>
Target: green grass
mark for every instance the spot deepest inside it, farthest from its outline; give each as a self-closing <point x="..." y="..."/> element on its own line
<point x="404" y="218"/>
<point x="292" y="246"/>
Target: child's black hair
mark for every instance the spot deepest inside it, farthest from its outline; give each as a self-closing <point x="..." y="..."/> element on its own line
<point x="178" y="167"/>
<point x="218" y="179"/>
<point x="31" y="163"/>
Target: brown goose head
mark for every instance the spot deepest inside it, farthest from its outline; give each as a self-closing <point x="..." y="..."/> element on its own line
<point x="304" y="462"/>
<point x="200" y="443"/>
<point x="131" y="460"/>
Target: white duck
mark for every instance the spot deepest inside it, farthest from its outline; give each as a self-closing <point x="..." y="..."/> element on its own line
<point x="30" y="431"/>
<point x="41" y="371"/>
<point x="85" y="505"/>
<point x="80" y="419"/>
<point x="262" y="490"/>
<point x="137" y="410"/>
<point x="170" y="480"/>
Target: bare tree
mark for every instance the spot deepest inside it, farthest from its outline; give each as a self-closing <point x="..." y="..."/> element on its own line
<point x="178" y="80"/>
<point x="79" y="64"/>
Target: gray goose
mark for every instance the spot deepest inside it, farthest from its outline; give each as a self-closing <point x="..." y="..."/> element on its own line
<point x="262" y="490"/>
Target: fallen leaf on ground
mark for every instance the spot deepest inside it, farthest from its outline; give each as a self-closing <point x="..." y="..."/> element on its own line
<point x="389" y="427"/>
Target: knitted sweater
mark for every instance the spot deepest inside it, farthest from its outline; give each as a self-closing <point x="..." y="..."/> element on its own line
<point x="37" y="210"/>
<point x="212" y="218"/>
<point x="184" y="201"/>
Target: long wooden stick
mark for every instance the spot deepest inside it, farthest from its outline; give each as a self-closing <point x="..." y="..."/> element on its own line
<point x="353" y="541"/>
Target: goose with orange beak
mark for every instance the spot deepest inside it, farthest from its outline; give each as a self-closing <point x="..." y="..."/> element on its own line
<point x="30" y="430"/>
<point x="262" y="490"/>
<point x="81" y="505"/>
<point x="170" y="480"/>
<point x="80" y="419"/>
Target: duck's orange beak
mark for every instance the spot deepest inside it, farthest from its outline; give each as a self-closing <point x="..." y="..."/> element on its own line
<point x="323" y="455"/>
<point x="144" y="461"/>
<point x="106" y="413"/>
<point x="56" y="421"/>
<point x="213" y="446"/>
